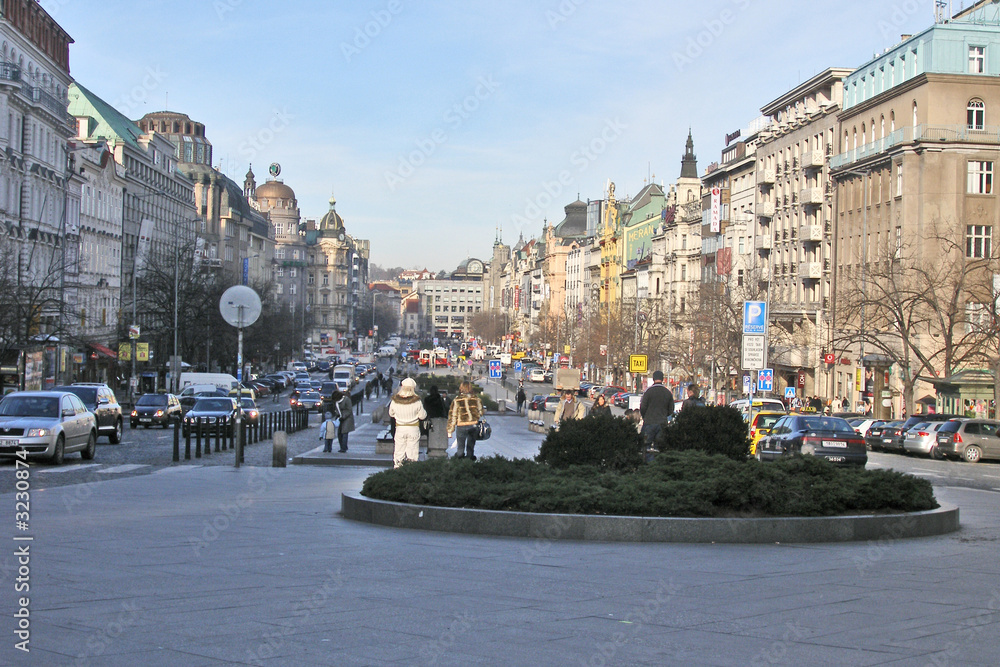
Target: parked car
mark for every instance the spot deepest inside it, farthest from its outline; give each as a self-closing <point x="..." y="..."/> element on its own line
<point x="913" y="420"/>
<point x="307" y="400"/>
<point x="886" y="436"/>
<point x="827" y="437"/>
<point x="761" y="425"/>
<point x="156" y="410"/>
<point x="551" y="402"/>
<point x="536" y="375"/>
<point x="251" y="415"/>
<point x="594" y="390"/>
<point x="969" y="439"/>
<point x="585" y="389"/>
<point x="100" y="400"/>
<point x="537" y="402"/>
<point x="862" y="425"/>
<point x="610" y="391"/>
<point x="922" y="438"/>
<point x="211" y="410"/>
<point x="621" y="399"/>
<point x="46" y="424"/>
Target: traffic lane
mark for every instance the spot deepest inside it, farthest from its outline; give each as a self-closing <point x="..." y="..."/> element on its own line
<point x="984" y="475"/>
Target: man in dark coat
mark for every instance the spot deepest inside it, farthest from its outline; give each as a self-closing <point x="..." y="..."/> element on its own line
<point x="656" y="406"/>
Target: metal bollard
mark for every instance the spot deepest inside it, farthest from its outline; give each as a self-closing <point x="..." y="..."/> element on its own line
<point x="187" y="445"/>
<point x="197" y="426"/>
<point x="177" y="441"/>
<point x="280" y="452"/>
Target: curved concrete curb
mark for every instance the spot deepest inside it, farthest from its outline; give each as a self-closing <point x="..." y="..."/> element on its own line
<point x="650" y="529"/>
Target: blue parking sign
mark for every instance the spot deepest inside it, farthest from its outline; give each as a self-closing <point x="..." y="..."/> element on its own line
<point x="754" y="317"/>
<point x="517" y="366"/>
<point x="495" y="371"/>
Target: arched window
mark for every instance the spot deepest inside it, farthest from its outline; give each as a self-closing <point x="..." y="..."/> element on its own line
<point x="892" y="121"/>
<point x="864" y="134"/>
<point x="882" y="129"/>
<point x="976" y="114"/>
<point x="915" y="123"/>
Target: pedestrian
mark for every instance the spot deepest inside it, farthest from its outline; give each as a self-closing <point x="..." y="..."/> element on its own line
<point x="343" y="404"/>
<point x="407" y="411"/>
<point x="387" y="385"/>
<point x="693" y="399"/>
<point x="655" y="408"/>
<point x="465" y="412"/>
<point x="326" y="430"/>
<point x="437" y="416"/>
<point x="521" y="398"/>
<point x="569" y="408"/>
<point x="601" y="406"/>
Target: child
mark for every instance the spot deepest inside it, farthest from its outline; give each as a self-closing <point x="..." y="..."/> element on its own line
<point x="327" y="430"/>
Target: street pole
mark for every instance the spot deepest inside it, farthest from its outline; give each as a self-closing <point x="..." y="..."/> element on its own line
<point x="175" y="363"/>
<point x="239" y="390"/>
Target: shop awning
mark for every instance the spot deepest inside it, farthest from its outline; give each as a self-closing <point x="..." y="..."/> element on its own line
<point x="102" y="350"/>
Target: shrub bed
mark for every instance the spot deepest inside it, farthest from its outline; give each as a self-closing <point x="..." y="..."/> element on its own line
<point x="679" y="484"/>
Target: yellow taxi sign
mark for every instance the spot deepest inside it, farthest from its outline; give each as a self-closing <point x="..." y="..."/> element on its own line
<point x="638" y="363"/>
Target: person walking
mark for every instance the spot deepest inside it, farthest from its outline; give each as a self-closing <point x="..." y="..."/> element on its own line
<point x="693" y="399"/>
<point x="601" y="406"/>
<point x="465" y="411"/>
<point x="437" y="414"/>
<point x="569" y="408"/>
<point x="655" y="408"/>
<point x="346" y="414"/>
<point x="521" y="398"/>
<point x="326" y="430"/>
<point x="407" y="411"/>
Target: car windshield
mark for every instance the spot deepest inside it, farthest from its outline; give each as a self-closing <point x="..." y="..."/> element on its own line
<point x="950" y="427"/>
<point x="248" y="404"/>
<point x="831" y="424"/>
<point x="767" y="421"/>
<point x="86" y="394"/>
<point x="213" y="405"/>
<point x="920" y="426"/>
<point x="29" y="406"/>
<point x="152" y="399"/>
<point x="310" y="396"/>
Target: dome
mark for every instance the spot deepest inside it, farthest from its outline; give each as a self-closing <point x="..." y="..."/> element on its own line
<point x="274" y="190"/>
<point x="332" y="219"/>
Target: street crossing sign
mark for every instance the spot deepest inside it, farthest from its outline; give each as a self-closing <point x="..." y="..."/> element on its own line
<point x="789" y="392"/>
<point x="765" y="379"/>
<point x="495" y="371"/>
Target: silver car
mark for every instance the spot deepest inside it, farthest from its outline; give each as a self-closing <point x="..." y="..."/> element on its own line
<point x="922" y="438"/>
<point x="46" y="424"/>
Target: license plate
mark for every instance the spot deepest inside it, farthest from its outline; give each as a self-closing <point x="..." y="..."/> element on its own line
<point x="835" y="459"/>
<point x="886" y="439"/>
<point x="9" y="442"/>
<point x="834" y="443"/>
<point x="145" y="419"/>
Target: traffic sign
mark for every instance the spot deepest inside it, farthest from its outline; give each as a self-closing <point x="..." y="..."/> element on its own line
<point x="765" y="380"/>
<point x="752" y="356"/>
<point x="789" y="392"/>
<point x="495" y="371"/>
<point x="637" y="363"/>
<point x="755" y="317"/>
<point x="746" y="384"/>
<point x="517" y="366"/>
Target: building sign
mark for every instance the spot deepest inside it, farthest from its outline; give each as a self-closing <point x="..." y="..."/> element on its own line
<point x="142" y="352"/>
<point x="730" y="138"/>
<point x="716" y="210"/>
<point x="829" y="358"/>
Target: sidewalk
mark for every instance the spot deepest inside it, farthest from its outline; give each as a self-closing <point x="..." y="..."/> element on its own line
<point x="211" y="565"/>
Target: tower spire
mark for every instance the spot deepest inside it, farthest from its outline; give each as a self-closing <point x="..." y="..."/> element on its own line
<point x="689" y="163"/>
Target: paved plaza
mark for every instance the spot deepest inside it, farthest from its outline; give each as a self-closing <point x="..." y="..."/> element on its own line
<point x="209" y="565"/>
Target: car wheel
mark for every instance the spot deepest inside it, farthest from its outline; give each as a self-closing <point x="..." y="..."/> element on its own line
<point x="936" y="454"/>
<point x="91" y="449"/>
<point x="60" y="452"/>
<point x="972" y="454"/>
<point x="116" y="436"/>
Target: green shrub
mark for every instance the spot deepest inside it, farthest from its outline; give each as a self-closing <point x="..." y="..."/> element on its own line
<point x="710" y="429"/>
<point x="597" y="440"/>
<point x="686" y="484"/>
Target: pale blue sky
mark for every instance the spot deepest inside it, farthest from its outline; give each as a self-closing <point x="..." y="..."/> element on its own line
<point x="450" y="118"/>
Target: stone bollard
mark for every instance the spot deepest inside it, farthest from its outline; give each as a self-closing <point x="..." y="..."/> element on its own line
<point x="279" y="455"/>
<point x="437" y="439"/>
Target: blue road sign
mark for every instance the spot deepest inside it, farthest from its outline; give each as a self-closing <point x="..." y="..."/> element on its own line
<point x="495" y="371"/>
<point x="746" y="384"/>
<point x="754" y="317"/>
<point x="789" y="392"/>
<point x="517" y="366"/>
<point x="765" y="379"/>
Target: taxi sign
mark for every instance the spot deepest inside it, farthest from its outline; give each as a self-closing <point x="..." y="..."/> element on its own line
<point x="638" y="363"/>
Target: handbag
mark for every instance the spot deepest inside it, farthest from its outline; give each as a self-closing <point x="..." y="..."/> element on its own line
<point x="483" y="429"/>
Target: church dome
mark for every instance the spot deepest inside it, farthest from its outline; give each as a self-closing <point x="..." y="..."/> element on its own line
<point x="274" y="190"/>
<point x="332" y="219"/>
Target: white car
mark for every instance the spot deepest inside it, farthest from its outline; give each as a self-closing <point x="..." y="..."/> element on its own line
<point x="536" y="375"/>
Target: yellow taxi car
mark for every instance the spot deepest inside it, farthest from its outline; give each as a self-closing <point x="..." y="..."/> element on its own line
<point x="761" y="426"/>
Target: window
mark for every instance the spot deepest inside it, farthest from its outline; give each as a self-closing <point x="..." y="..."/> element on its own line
<point x="312" y="279"/>
<point x="980" y="177"/>
<point x="898" y="252"/>
<point x="279" y="288"/>
<point x="899" y="178"/>
<point x="976" y="115"/>
<point x="977" y="59"/>
<point x="978" y="241"/>
<point x="280" y="272"/>
<point x="291" y="288"/>
<point x="977" y="318"/>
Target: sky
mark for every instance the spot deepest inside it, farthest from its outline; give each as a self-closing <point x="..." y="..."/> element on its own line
<point x="437" y="123"/>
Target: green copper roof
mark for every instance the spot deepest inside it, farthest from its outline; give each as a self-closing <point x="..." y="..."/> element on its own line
<point x="111" y="124"/>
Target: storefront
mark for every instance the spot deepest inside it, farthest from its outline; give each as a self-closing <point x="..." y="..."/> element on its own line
<point x="969" y="393"/>
<point x="21" y="370"/>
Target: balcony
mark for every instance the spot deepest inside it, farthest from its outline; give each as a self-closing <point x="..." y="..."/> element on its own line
<point x="813" y="159"/>
<point x="811" y="196"/>
<point x="766" y="177"/>
<point x="810" y="270"/>
<point x="811" y="233"/>
<point x="765" y="210"/>
<point x="10" y="72"/>
<point x="763" y="242"/>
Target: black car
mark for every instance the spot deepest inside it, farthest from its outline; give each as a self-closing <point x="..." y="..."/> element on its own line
<point x="212" y="410"/>
<point x="887" y="436"/>
<point x="100" y="400"/>
<point x="156" y="410"/>
<point x="831" y="438"/>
